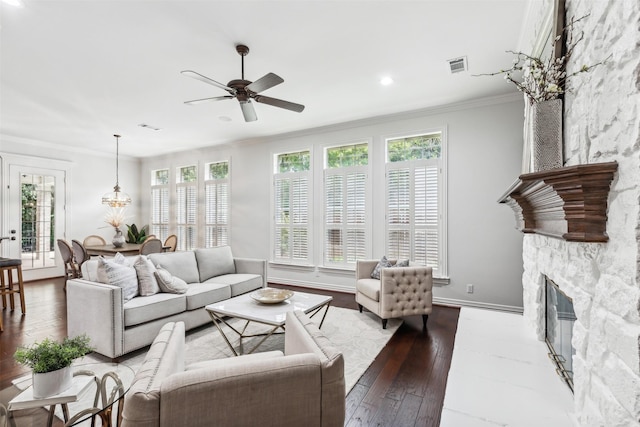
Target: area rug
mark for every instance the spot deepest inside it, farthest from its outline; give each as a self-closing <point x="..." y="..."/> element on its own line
<point x="359" y="336"/>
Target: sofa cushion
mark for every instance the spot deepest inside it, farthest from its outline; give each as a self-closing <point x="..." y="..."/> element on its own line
<point x="239" y="283"/>
<point x="202" y="294"/>
<point x="214" y="262"/>
<point x="117" y="272"/>
<point x="147" y="283"/>
<point x="144" y="309"/>
<point x="179" y="264"/>
<point x="169" y="283"/>
<point x="164" y="358"/>
<point x="369" y="288"/>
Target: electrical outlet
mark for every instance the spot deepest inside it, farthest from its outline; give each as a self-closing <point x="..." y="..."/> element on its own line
<point x="469" y="288"/>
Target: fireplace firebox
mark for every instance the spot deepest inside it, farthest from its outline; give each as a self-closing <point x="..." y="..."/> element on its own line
<point x="560" y="318"/>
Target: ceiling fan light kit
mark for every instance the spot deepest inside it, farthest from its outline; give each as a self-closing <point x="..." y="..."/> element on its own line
<point x="245" y="90"/>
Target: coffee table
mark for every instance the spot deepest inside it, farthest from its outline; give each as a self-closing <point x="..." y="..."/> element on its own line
<point x="274" y="315"/>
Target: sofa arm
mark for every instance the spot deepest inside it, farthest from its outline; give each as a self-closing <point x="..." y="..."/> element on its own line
<point x="96" y="309"/>
<point x="405" y="291"/>
<point x="280" y="391"/>
<point x="364" y="268"/>
<point x="252" y="266"/>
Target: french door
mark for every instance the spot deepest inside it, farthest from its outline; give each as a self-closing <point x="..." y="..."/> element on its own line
<point x="35" y="210"/>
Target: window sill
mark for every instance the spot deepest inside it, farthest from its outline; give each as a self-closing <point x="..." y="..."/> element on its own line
<point x="285" y="266"/>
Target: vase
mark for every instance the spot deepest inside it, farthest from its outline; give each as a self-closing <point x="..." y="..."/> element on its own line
<point x="51" y="383"/>
<point x="546" y="134"/>
<point x="118" y="240"/>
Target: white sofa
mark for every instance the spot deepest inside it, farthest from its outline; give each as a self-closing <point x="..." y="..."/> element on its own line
<point x="117" y="327"/>
<point x="303" y="387"/>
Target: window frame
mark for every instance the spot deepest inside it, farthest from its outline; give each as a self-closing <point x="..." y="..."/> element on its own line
<point x="179" y="184"/>
<point x="442" y="270"/>
<point x="160" y="229"/>
<point x="205" y="205"/>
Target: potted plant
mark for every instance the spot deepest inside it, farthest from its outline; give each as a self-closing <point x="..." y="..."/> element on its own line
<point x="50" y="362"/>
<point x="135" y="235"/>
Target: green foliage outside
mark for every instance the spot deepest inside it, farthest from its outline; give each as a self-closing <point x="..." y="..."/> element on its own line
<point x="350" y="155"/>
<point x="294" y="162"/>
<point x="136" y="236"/>
<point x="188" y="174"/>
<point x="161" y="177"/>
<point x="50" y="355"/>
<point x="218" y="170"/>
<point x="29" y="195"/>
<point x="420" y="147"/>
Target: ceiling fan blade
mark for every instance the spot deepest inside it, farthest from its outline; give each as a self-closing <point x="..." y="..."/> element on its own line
<point x="265" y="82"/>
<point x="248" y="111"/>
<point x="203" y="100"/>
<point x="206" y="79"/>
<point x="279" y="103"/>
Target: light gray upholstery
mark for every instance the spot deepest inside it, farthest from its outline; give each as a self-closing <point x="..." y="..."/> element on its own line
<point x="116" y="328"/>
<point x="179" y="264"/>
<point x="400" y="292"/>
<point x="303" y="387"/>
<point x="214" y="262"/>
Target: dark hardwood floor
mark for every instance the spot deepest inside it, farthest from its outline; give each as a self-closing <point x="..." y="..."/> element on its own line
<point x="404" y="386"/>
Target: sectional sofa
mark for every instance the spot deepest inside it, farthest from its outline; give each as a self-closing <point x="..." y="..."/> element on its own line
<point x="119" y="325"/>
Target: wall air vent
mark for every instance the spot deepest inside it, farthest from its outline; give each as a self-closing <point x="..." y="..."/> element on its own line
<point x="458" y="65"/>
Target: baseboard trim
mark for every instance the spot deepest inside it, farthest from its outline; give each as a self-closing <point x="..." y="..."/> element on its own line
<point x="476" y="304"/>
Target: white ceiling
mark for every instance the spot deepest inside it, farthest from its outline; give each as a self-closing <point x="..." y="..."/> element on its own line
<point x="76" y="72"/>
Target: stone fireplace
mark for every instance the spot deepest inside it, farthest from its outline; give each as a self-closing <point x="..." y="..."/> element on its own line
<point x="601" y="124"/>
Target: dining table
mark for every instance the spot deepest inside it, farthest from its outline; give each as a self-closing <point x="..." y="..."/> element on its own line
<point x="110" y="250"/>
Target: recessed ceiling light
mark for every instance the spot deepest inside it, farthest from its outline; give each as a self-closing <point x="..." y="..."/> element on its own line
<point x="386" y="81"/>
<point x="14" y="3"/>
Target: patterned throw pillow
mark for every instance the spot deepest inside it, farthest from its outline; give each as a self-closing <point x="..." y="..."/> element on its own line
<point x="117" y="272"/>
<point x="403" y="263"/>
<point x="383" y="263"/>
<point x="147" y="282"/>
<point x="169" y="283"/>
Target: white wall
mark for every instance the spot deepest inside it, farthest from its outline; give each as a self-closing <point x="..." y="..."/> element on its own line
<point x="485" y="146"/>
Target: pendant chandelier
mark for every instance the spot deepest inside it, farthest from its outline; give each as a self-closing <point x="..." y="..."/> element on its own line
<point x="116" y="198"/>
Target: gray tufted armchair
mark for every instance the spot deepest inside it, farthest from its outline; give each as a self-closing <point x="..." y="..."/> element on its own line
<point x="401" y="291"/>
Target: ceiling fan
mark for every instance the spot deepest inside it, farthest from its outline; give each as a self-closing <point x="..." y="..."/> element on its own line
<point x="244" y="90"/>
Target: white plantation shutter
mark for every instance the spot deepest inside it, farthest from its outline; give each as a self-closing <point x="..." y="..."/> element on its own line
<point x="216" y="213"/>
<point x="160" y="211"/>
<point x="415" y="192"/>
<point x="186" y="214"/>
<point x="345" y="238"/>
<point x="291" y="218"/>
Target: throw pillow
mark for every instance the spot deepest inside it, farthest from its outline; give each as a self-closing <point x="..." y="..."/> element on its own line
<point x="169" y="283"/>
<point x="111" y="272"/>
<point x="147" y="282"/>
<point x="383" y="263"/>
<point x="403" y="263"/>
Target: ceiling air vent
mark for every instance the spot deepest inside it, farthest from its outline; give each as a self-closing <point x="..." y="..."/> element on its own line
<point x="458" y="65"/>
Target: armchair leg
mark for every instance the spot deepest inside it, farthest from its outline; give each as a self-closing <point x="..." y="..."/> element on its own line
<point x="360" y="307"/>
<point x="424" y="321"/>
<point x="384" y="323"/>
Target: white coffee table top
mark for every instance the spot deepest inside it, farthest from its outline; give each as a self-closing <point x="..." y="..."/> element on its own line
<point x="245" y="307"/>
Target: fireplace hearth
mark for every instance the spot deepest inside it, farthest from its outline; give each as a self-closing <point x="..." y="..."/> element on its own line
<point x="559" y="320"/>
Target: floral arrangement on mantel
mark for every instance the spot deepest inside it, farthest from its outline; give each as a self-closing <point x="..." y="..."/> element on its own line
<point x="545" y="79"/>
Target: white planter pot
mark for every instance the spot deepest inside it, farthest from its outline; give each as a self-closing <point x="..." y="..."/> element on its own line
<point x="546" y="133"/>
<point x="51" y="383"/>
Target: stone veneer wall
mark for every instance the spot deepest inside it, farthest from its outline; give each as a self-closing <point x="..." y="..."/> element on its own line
<point x="602" y="123"/>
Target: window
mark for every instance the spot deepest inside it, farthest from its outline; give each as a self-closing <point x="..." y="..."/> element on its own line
<point x="160" y="203"/>
<point x="415" y="194"/>
<point x="292" y="233"/>
<point x="345" y="184"/>
<point x="216" y="206"/>
<point x="186" y="207"/>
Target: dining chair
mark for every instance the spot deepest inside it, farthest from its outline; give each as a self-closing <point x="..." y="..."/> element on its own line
<point x="93" y="240"/>
<point x="171" y="243"/>
<point x="80" y="256"/>
<point x="70" y="269"/>
<point x="151" y="246"/>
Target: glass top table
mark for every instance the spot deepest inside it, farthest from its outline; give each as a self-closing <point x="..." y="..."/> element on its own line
<point x="274" y="315"/>
<point x="98" y="390"/>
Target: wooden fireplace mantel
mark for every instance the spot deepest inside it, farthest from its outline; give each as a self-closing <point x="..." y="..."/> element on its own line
<point x="569" y="203"/>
